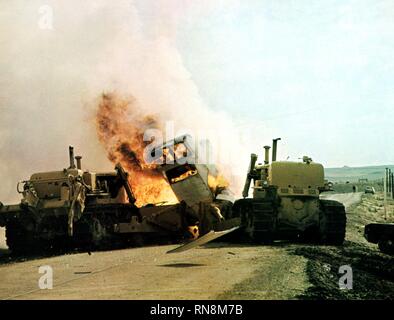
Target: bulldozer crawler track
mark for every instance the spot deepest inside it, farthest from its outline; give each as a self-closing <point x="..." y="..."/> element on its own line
<point x="332" y="222"/>
<point x="263" y="221"/>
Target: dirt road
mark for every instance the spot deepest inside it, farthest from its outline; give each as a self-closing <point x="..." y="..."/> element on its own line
<point x="348" y="199"/>
<point x="216" y="271"/>
<point x="149" y="273"/>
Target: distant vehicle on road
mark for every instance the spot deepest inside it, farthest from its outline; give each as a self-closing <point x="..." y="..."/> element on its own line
<point x="369" y="190"/>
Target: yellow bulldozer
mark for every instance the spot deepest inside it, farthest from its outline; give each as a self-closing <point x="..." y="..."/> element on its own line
<point x="286" y="205"/>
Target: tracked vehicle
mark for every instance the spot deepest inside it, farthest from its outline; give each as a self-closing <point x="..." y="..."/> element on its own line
<point x="191" y="180"/>
<point x="285" y="203"/>
<point x="77" y="208"/>
<point x="381" y="234"/>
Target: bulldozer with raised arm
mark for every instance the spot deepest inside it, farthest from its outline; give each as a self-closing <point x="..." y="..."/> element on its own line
<point x="76" y="208"/>
<point x="285" y="203"/>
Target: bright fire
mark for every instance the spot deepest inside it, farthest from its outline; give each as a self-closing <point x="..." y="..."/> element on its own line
<point x="217" y="182"/>
<point x="120" y="129"/>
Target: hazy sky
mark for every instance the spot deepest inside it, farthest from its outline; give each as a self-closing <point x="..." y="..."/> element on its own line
<point x="319" y="74"/>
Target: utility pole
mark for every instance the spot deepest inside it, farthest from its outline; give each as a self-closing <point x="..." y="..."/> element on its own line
<point x="385" y="193"/>
<point x="387" y="179"/>
<point x="392" y="185"/>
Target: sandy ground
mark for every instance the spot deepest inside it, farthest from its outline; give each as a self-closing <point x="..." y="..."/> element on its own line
<point x="216" y="271"/>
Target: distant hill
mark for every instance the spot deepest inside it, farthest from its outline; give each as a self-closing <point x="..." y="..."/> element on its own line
<point x="352" y="174"/>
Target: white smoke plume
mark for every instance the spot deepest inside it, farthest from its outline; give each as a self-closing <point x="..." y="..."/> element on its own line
<point x="57" y="57"/>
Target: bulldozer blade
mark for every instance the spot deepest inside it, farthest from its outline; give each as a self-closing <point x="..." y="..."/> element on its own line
<point x="212" y="235"/>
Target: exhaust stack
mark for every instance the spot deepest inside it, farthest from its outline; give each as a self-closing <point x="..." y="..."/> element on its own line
<point x="249" y="175"/>
<point x="274" y="148"/>
<point x="79" y="164"/>
<point x="267" y="154"/>
<point x="71" y="155"/>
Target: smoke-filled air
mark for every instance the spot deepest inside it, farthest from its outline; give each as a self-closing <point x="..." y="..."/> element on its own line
<point x="120" y="128"/>
<point x="96" y="78"/>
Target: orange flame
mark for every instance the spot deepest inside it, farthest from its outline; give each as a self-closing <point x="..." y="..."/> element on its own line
<point x="120" y="128"/>
<point x="217" y="182"/>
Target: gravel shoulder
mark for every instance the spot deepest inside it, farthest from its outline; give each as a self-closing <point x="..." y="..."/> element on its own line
<point x="373" y="271"/>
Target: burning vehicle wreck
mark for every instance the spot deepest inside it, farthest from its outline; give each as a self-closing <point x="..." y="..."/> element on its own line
<point x="79" y="208"/>
<point x="83" y="209"/>
<point x="197" y="184"/>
